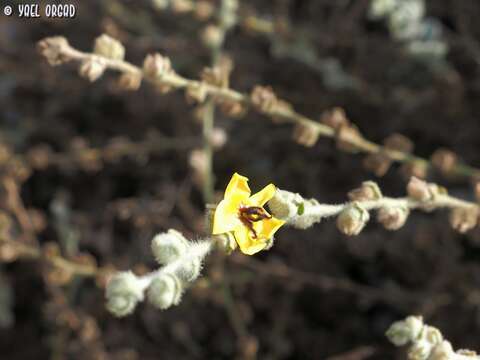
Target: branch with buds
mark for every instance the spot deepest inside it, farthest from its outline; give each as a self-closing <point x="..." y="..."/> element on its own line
<point x="181" y="262"/>
<point x="392" y="213"/>
<point x="425" y="342"/>
<point x="157" y="69"/>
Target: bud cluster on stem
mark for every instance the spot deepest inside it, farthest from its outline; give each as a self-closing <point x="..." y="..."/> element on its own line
<point x="425" y="342"/>
<point x="182" y="262"/>
<point x="157" y="69"/>
<point x="392" y="213"/>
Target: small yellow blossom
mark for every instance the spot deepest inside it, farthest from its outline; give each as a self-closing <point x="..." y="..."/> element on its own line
<point x="244" y="215"/>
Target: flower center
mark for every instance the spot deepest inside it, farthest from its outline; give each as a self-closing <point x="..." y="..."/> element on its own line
<point x="250" y="214"/>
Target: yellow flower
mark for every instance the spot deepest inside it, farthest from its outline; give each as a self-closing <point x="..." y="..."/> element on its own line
<point x="244" y="215"/>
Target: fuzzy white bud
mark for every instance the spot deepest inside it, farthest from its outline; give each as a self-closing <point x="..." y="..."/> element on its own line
<point x="381" y="8"/>
<point x="165" y="290"/>
<point x="109" y="47"/>
<point x="92" y="68"/>
<point x="420" y="350"/>
<point x="352" y="219"/>
<point x="368" y="191"/>
<point x="123" y="292"/>
<point x="393" y="217"/>
<point x="442" y="351"/>
<point x="168" y="247"/>
<point x="189" y="269"/>
<point x="404" y="331"/>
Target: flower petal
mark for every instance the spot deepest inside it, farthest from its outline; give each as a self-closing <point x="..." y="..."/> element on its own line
<point x="238" y="185"/>
<point x="226" y="217"/>
<point x="267" y="228"/>
<point x="261" y="197"/>
<point x="247" y="244"/>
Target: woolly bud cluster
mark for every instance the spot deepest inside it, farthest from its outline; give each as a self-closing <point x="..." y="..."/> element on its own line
<point x="426" y="342"/>
<point x="182" y="262"/>
<point x="52" y="49"/>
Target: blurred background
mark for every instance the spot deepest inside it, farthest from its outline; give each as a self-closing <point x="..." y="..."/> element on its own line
<point x="67" y="189"/>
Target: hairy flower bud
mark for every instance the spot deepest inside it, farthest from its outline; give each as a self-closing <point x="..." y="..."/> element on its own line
<point x="444" y="160"/>
<point x="92" y="68"/>
<point x="368" y="191"/>
<point x="109" y="47"/>
<point x="130" y="81"/>
<point x="442" y="351"/>
<point x="378" y="163"/>
<point x="305" y="134"/>
<point x="263" y="98"/>
<point x="212" y="36"/>
<point x="399" y="142"/>
<point x="284" y="204"/>
<point x="123" y="293"/>
<point x="352" y="219"/>
<point x="381" y="8"/>
<point x="464" y="219"/>
<point x="52" y="49"/>
<point x="404" y="331"/>
<point x="393" y="217"/>
<point x="420" y="350"/>
<point x="165" y="290"/>
<point x="335" y="118"/>
<point x="418" y="189"/>
<point x="189" y="269"/>
<point x="347" y="136"/>
<point x="156" y="66"/>
<point x="168" y="247"/>
<point x="196" y="93"/>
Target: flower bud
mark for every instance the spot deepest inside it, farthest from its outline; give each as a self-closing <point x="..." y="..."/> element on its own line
<point x="352" y="219"/>
<point x="189" y="269"/>
<point x="156" y="66"/>
<point x="431" y="334"/>
<point x="233" y="109"/>
<point x="381" y="8"/>
<point x="123" y="293"/>
<point x="52" y="49"/>
<point x="212" y="36"/>
<point x="305" y="134"/>
<point x="393" y="217"/>
<point x="378" y="163"/>
<point x="335" y="118"/>
<point x="399" y="142"/>
<point x="464" y="219"/>
<point x="368" y="191"/>
<point x="164" y="291"/>
<point x="442" y="351"/>
<point x="204" y="10"/>
<point x="404" y="331"/>
<point x="168" y="247"/>
<point x="92" y="68"/>
<point x="263" y="98"/>
<point x="414" y="168"/>
<point x="196" y="93"/>
<point x="418" y="189"/>
<point x="420" y="350"/>
<point x="347" y="136"/>
<point x="218" y="138"/>
<point x="109" y="47"/>
<point x="130" y="81"/>
<point x="284" y="204"/>
<point x="444" y="160"/>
